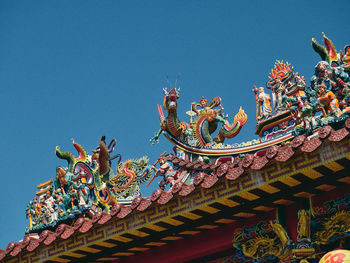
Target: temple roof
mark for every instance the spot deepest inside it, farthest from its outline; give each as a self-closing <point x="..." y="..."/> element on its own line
<point x="303" y="152"/>
<point x="221" y="194"/>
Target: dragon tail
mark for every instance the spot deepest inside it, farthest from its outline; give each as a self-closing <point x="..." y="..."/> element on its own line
<point x="144" y="175"/>
<point x="69" y="157"/>
<point x="132" y="172"/>
<point x="230" y="131"/>
<point x="103" y="159"/>
<point x="327" y="53"/>
<point x="321" y="50"/>
<point x="81" y="152"/>
<point x="332" y="52"/>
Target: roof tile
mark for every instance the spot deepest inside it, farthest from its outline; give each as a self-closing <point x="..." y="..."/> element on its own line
<point x="209" y="181"/>
<point x="165" y="198"/>
<point x="338" y="135"/>
<point x="187" y="189"/>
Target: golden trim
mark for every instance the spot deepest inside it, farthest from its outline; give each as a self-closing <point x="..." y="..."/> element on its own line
<point x="289" y="181"/>
<point x="334" y="166"/>
<point x="156" y="244"/>
<point x="191" y="215"/>
<point x="209" y="209"/>
<point x="248" y="196"/>
<point x="312" y="174"/>
<point x="228" y="202"/>
<point x="156" y="228"/>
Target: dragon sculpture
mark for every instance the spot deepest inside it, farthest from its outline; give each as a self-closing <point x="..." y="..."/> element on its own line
<point x="328" y="52"/>
<point x="107" y="186"/>
<point x="261" y="247"/>
<point x="87" y="185"/>
<point x="198" y="132"/>
<point x="267" y="246"/>
<point x="299" y="108"/>
<point x="335" y="227"/>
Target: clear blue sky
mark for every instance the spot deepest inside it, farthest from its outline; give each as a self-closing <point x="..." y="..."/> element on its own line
<point x="82" y="69"/>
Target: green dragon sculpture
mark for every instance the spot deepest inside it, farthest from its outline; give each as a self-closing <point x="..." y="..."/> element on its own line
<point x="199" y="132"/>
<point x="88" y="184"/>
<point x="108" y="186"/>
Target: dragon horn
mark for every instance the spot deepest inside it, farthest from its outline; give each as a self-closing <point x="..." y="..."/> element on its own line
<point x="167" y="79"/>
<point x="177" y="78"/>
<point x="177" y="91"/>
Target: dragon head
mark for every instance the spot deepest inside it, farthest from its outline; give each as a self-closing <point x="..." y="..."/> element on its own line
<point x="170" y="99"/>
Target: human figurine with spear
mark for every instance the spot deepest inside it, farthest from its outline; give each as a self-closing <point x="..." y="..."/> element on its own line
<point x="165" y="170"/>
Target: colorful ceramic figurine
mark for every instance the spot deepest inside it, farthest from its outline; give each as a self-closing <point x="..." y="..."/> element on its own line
<point x="285" y="107"/>
<point x="263" y="103"/>
<point x="166" y="171"/>
<point x="305" y="108"/>
<point x="304" y="227"/>
<point x="198" y="132"/>
<point x="87" y="185"/>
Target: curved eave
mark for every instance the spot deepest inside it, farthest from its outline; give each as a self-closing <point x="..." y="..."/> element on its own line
<point x="232" y="151"/>
<point x="272" y="121"/>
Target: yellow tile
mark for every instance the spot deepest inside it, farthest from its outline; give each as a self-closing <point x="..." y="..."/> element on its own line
<point x="191" y="216"/>
<point x="74" y="255"/>
<point x="248" y="196"/>
<point x="325" y="187"/>
<point x="269" y="189"/>
<point x="90" y="249"/>
<point x="344" y="180"/>
<point x="303" y="194"/>
<point x="312" y="174"/>
<point x="290" y="181"/>
<point x="139" y="249"/>
<point x="243" y="214"/>
<point x="283" y="202"/>
<point x="172" y="238"/>
<point x="209" y="209"/>
<point x="335" y="167"/>
<point x="122" y="239"/>
<point x="156" y="228"/>
<point x="225" y="221"/>
<point x="228" y="203"/>
<point x="107" y="259"/>
<point x="173" y="222"/>
<point x="138" y="233"/>
<point x="156" y="244"/>
<point x="106" y="244"/>
<point x="207" y="227"/>
<point x="189" y="232"/>
<point x="263" y="208"/>
<point x="62" y="260"/>
<point x="123" y="254"/>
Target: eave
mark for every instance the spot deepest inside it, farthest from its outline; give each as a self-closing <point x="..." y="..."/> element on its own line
<point x="253" y="187"/>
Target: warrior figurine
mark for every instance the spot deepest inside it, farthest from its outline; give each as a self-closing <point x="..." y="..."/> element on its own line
<point x="329" y="100"/>
<point x="168" y="173"/>
<point x="203" y="103"/>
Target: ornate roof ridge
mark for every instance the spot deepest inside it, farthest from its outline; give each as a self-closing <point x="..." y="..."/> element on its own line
<point x="211" y="173"/>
